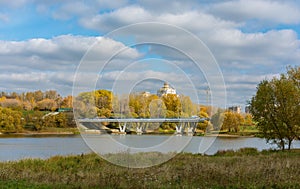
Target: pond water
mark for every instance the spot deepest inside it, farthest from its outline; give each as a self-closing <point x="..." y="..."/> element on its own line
<point x="43" y="147"/>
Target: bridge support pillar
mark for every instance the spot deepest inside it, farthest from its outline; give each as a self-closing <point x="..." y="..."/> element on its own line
<point x="122" y="129"/>
<point x="178" y="129"/>
<point x="139" y="130"/>
<point x="190" y="131"/>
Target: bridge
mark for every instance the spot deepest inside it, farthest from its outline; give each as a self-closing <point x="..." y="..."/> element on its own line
<point x="141" y="124"/>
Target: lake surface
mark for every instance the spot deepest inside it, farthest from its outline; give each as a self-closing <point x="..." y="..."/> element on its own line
<point x="45" y="147"/>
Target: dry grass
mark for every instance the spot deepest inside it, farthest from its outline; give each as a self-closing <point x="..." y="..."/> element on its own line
<point x="243" y="169"/>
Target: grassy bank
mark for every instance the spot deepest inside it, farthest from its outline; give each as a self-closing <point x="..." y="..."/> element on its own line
<point x="246" y="168"/>
<point x="44" y="132"/>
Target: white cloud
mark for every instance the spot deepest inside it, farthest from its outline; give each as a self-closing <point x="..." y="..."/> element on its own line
<point x="237" y="46"/>
<point x="13" y="4"/>
<point x="272" y="11"/>
<point x="245" y="58"/>
<point x="192" y="20"/>
<point x="51" y="63"/>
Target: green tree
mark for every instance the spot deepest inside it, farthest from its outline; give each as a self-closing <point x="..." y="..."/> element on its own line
<point x="276" y="108"/>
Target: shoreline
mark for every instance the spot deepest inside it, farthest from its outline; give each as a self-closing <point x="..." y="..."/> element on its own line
<point x="70" y="133"/>
<point x="38" y="134"/>
<point x="229" y="136"/>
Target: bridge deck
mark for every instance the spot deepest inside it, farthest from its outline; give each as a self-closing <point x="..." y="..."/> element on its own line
<point x="144" y="120"/>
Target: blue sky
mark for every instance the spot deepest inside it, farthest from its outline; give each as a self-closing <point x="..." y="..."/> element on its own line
<point x="43" y="42"/>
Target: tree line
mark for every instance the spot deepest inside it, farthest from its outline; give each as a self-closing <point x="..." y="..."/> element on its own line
<point x="275" y="109"/>
<point x="29" y="111"/>
<point x="103" y="103"/>
<point x="49" y="100"/>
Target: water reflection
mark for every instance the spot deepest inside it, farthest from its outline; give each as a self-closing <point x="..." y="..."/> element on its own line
<point x="37" y="147"/>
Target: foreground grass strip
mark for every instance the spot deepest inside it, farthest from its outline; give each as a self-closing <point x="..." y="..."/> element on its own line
<point x="246" y="168"/>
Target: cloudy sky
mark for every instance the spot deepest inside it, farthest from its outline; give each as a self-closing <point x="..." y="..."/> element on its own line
<point x="43" y="44"/>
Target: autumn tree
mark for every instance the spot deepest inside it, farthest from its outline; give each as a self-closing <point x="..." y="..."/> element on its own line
<point x="217" y="119"/>
<point x="248" y="120"/>
<point x="188" y="108"/>
<point x="11" y="103"/>
<point x="103" y="102"/>
<point x="232" y="121"/>
<point x="173" y="105"/>
<point x="67" y="102"/>
<point x="275" y="108"/>
<point x="203" y="114"/>
<point x="11" y="120"/>
<point x="95" y="103"/>
<point x="47" y="104"/>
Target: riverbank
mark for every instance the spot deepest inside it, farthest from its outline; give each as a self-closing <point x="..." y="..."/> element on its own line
<point x="246" y="168"/>
<point x="42" y="133"/>
<point x="75" y="131"/>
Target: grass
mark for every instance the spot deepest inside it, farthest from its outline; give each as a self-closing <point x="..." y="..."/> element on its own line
<point x="60" y="130"/>
<point x="246" y="168"/>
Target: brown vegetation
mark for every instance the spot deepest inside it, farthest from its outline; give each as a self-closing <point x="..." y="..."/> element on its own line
<point x="246" y="168"/>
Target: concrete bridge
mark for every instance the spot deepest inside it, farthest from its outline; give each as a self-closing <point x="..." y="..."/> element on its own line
<point x="187" y="125"/>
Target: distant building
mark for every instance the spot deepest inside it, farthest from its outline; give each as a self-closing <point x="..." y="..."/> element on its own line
<point x="166" y="89"/>
<point x="145" y="94"/>
<point x="236" y="109"/>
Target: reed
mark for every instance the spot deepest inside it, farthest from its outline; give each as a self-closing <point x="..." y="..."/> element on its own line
<point x="245" y="168"/>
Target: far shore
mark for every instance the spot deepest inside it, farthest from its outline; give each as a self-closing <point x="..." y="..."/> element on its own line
<point x="46" y="133"/>
<point x="228" y="135"/>
<point x="70" y="133"/>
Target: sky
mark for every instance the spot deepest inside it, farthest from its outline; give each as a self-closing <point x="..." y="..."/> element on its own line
<point x="137" y="45"/>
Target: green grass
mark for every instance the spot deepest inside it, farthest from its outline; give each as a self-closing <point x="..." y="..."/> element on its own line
<point x="60" y="130"/>
<point x="246" y="168"/>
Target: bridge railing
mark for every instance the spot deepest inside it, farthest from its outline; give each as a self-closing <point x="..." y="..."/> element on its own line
<point x="143" y="120"/>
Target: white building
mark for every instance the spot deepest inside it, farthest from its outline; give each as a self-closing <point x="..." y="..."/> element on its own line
<point x="236" y="109"/>
<point x="145" y="94"/>
<point x="166" y="89"/>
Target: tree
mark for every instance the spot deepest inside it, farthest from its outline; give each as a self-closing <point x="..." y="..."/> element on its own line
<point x="47" y="104"/>
<point x="11" y="103"/>
<point x="217" y="119"/>
<point x="248" y="120"/>
<point x="187" y="106"/>
<point x="173" y="105"/>
<point x="103" y="102"/>
<point x="10" y="120"/>
<point x="232" y="121"/>
<point x="51" y="94"/>
<point x="203" y="114"/>
<point x="276" y="108"/>
<point x="37" y="95"/>
<point x="67" y="102"/>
